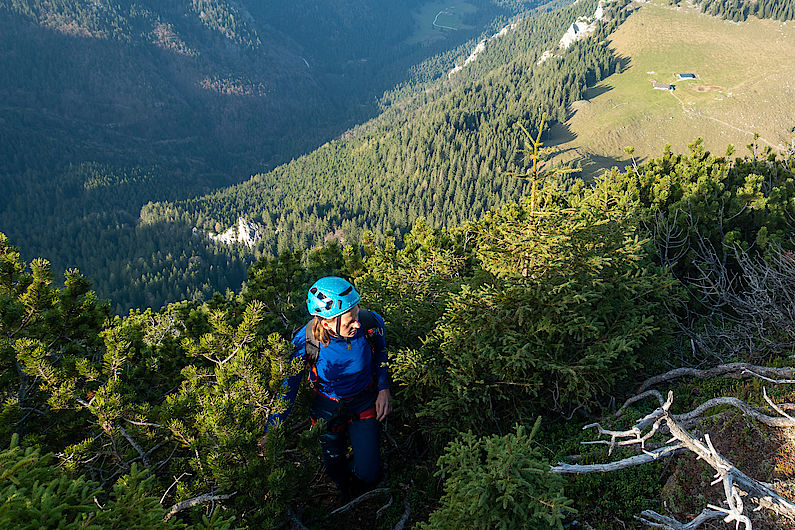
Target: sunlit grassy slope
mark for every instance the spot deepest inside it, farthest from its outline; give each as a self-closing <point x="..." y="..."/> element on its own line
<point x="745" y="84"/>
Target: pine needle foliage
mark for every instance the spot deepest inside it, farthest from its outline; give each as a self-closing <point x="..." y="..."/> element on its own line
<point x="36" y="494"/>
<point x="541" y="307"/>
<point x="568" y="305"/>
<point x="538" y="154"/>
<point x="500" y="482"/>
<point x="182" y="395"/>
<point x="706" y="215"/>
<point x="408" y="284"/>
<point x="694" y="199"/>
<point x="48" y="340"/>
<point x="281" y="284"/>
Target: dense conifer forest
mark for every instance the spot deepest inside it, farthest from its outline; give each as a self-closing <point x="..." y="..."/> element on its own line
<point x="740" y="10"/>
<point x="444" y="152"/>
<point x="88" y="174"/>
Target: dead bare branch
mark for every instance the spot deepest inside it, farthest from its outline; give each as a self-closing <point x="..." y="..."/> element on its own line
<point x="771" y="421"/>
<point x="143" y="423"/>
<point x="770" y="380"/>
<point x="359" y="499"/>
<point x="295" y="522"/>
<point x="671" y="239"/>
<point x="733" y="370"/>
<point x="748" y="313"/>
<point x="135" y="445"/>
<point x="384" y="508"/>
<point x="737" y="485"/>
<point x="778" y="408"/>
<point x="167" y="460"/>
<point x="645" y="458"/>
<point x="195" y="501"/>
<point x="638" y="397"/>
<point x="656" y="520"/>
<point x="406" y="514"/>
<point x="176" y="481"/>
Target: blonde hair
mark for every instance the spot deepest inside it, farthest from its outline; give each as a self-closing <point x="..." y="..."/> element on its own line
<point x="320" y="333"/>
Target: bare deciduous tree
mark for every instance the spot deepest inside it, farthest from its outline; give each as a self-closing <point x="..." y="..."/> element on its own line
<point x="747" y="314"/>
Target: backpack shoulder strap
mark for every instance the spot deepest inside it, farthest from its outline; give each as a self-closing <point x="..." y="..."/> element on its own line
<point x="312" y="346"/>
<point x="371" y="327"/>
<point x="369" y="323"/>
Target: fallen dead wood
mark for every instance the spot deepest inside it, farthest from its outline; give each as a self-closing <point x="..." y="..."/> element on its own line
<point x="581" y="469"/>
<point x="733" y="370"/>
<point x="739" y="488"/>
<point x="657" y="520"/>
<point x="195" y="501"/>
<point x="384" y="508"/>
<point x="406" y="514"/>
<point x="361" y="498"/>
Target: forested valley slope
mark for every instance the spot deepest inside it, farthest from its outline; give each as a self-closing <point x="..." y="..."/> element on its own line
<point x="117" y="125"/>
<point x="445" y="150"/>
<point x="442" y="150"/>
<point x="107" y="105"/>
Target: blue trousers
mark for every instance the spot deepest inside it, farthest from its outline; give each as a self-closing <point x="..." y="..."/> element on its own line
<point x="353" y="418"/>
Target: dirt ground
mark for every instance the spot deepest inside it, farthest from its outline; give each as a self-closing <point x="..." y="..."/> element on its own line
<point x="707" y="88"/>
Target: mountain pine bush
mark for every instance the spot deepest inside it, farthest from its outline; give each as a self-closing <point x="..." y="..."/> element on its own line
<point x="567" y="307"/>
<point x="540" y="307"/>
<point x="36" y="494"/>
<point x="498" y="482"/>
<point x="183" y="394"/>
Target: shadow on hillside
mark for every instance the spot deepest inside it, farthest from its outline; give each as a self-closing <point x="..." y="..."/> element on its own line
<point x="595" y="165"/>
<point x="624" y="63"/>
<point x="596" y="91"/>
<point x="558" y="134"/>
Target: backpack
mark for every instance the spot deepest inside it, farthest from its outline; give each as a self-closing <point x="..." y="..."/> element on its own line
<point x="369" y="325"/>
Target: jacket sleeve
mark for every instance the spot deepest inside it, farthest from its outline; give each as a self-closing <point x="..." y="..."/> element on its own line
<point x="381" y="357"/>
<point x="292" y="383"/>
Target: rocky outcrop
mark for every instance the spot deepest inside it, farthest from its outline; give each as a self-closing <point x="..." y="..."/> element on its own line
<point x="480" y="47"/>
<point x="580" y="29"/>
<point x="245" y="232"/>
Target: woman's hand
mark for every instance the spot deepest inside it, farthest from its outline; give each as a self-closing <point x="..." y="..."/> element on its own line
<point x="383" y="404"/>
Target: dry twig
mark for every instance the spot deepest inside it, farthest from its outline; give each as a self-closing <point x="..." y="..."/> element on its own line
<point x="406" y="514"/>
<point x="295" y="522"/>
<point x="384" y="508"/>
<point x="135" y="445"/>
<point x="359" y="499"/>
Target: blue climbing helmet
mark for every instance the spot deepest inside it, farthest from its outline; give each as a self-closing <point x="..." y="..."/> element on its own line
<point x="331" y="296"/>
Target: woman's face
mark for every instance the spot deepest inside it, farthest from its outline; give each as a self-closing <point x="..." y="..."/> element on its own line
<point x="349" y="323"/>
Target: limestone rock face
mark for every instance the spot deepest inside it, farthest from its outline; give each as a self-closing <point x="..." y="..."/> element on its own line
<point x="245" y="232"/>
<point x="579" y="30"/>
<point x="480" y="47"/>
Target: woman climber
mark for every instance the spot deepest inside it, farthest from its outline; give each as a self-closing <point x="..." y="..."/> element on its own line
<point x="345" y="352"/>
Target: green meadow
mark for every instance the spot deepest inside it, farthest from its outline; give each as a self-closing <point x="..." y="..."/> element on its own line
<point x="745" y="84"/>
<point x="445" y="13"/>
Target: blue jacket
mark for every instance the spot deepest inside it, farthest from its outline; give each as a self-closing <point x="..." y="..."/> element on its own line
<point x="344" y="367"/>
